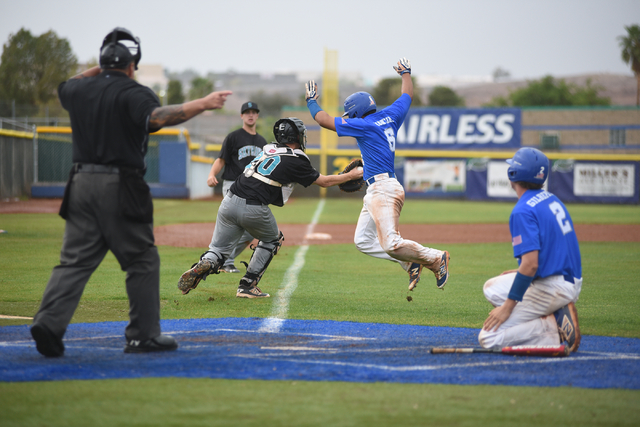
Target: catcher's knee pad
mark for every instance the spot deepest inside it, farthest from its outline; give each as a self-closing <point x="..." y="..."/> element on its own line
<point x="262" y="255"/>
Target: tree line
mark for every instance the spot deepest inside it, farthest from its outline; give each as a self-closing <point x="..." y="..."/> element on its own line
<point x="32" y="67"/>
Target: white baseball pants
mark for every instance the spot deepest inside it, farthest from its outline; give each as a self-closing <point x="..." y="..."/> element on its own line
<point x="532" y="321"/>
<point x="377" y="232"/>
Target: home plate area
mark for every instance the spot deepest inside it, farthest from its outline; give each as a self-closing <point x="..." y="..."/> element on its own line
<point x="252" y="348"/>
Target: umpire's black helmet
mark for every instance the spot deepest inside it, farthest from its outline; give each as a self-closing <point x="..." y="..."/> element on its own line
<point x="290" y="131"/>
<point x="114" y="54"/>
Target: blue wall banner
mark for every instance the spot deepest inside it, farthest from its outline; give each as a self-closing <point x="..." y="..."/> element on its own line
<point x="460" y="129"/>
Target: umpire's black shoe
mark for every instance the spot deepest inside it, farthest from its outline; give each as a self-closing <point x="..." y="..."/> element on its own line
<point x="47" y="343"/>
<point x="159" y="343"/>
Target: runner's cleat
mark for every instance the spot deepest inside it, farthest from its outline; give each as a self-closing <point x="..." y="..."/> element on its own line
<point x="442" y="272"/>
<point x="414" y="275"/>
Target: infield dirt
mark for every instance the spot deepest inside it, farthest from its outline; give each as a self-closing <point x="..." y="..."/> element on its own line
<point x="199" y="235"/>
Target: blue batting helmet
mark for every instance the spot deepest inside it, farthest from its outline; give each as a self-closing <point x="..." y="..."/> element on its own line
<point x="359" y="104"/>
<point x="528" y="165"/>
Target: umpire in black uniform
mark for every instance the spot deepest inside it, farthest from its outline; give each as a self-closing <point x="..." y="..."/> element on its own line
<point x="107" y="204"/>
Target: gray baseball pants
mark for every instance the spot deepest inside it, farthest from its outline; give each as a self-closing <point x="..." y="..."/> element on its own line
<point x="246" y="238"/>
<point x="235" y="218"/>
<point x="93" y="227"/>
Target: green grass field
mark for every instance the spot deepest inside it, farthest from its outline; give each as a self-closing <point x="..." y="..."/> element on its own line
<point x="337" y="283"/>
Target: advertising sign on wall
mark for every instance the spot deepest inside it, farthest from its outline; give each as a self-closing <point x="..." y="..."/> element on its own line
<point x="428" y="176"/>
<point x="604" y="179"/>
<point x="498" y="184"/>
<point x="457" y="128"/>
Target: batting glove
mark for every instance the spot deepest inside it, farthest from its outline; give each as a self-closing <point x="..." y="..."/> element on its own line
<point x="312" y="90"/>
<point x="404" y="66"/>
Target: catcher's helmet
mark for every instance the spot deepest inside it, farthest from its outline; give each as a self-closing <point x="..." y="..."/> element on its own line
<point x="290" y="131"/>
<point x="114" y="54"/>
<point x="528" y="165"/>
<point x="359" y="104"/>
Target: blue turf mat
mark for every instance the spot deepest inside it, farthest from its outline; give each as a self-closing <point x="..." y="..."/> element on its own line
<point x="248" y="348"/>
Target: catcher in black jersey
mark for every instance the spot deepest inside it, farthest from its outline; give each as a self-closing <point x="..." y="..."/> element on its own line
<point x="238" y="149"/>
<point x="268" y="180"/>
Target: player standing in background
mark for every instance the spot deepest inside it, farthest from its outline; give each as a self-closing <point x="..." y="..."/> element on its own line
<point x="549" y="276"/>
<point x="107" y="204"/>
<point x="268" y="180"/>
<point x="377" y="232"/>
<point x="238" y="149"/>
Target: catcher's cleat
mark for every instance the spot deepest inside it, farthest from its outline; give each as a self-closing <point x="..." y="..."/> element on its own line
<point x="442" y="271"/>
<point x="567" y="319"/>
<point x="230" y="269"/>
<point x="199" y="271"/>
<point x="246" y="290"/>
<point x="414" y="275"/>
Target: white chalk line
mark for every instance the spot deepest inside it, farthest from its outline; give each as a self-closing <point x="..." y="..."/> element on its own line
<point x="290" y="281"/>
<point x="449" y="366"/>
<point x="325" y="337"/>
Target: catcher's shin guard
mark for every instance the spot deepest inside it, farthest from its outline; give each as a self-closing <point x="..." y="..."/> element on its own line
<point x="259" y="265"/>
<point x="199" y="271"/>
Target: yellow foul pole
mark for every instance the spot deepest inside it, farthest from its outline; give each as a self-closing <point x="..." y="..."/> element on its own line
<point x="329" y="100"/>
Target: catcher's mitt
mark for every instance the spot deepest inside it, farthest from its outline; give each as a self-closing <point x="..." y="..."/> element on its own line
<point x="354" y="184"/>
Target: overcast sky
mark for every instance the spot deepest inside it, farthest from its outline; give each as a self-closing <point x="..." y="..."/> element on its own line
<point x="452" y="37"/>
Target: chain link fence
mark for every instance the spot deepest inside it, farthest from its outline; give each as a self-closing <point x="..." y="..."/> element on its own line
<point x="54" y="147"/>
<point x="16" y="163"/>
<point x="43" y="155"/>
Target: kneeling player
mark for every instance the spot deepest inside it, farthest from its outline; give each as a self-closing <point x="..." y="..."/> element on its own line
<point x="535" y="305"/>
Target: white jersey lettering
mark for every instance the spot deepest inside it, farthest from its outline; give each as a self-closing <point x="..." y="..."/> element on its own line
<point x="540" y="197"/>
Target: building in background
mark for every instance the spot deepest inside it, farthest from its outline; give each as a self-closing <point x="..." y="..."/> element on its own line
<point x="153" y="76"/>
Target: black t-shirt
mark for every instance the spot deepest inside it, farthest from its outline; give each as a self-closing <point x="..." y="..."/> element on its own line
<point x="109" y="118"/>
<point x="280" y="164"/>
<point x="238" y="149"/>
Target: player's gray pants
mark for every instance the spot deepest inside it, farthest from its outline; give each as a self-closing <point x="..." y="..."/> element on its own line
<point x="246" y="238"/>
<point x="93" y="227"/>
<point x="526" y="325"/>
<point x="235" y="218"/>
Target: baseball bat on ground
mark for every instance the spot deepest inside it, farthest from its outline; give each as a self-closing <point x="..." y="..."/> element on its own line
<point x="517" y="350"/>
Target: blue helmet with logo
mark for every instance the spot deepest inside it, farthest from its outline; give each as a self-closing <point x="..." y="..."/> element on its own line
<point x="528" y="165"/>
<point x="359" y="104"/>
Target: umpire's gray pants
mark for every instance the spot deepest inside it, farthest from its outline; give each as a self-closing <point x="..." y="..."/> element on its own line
<point x="234" y="218"/>
<point x="246" y="237"/>
<point x="93" y="227"/>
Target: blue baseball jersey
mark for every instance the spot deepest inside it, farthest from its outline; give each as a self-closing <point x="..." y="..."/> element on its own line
<point x="376" y="135"/>
<point x="541" y="222"/>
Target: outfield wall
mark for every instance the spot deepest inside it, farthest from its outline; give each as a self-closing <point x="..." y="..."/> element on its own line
<point x="440" y="152"/>
<point x="16" y="163"/>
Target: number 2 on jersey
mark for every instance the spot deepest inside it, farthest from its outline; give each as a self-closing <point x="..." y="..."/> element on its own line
<point x="391" y="139"/>
<point x="561" y="217"/>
